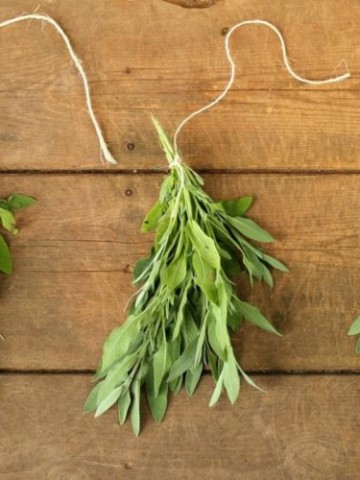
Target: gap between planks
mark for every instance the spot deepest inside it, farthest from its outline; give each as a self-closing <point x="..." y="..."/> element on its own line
<point x="165" y="170"/>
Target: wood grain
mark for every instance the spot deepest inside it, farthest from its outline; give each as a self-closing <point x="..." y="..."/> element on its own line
<point x="139" y="62"/>
<point x="303" y="428"/>
<point x="76" y="248"/>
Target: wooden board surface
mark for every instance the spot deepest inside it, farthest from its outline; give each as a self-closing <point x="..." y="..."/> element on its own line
<point x="296" y="147"/>
<point x="77" y="246"/>
<point x="139" y="62"/>
<point x="303" y="428"/>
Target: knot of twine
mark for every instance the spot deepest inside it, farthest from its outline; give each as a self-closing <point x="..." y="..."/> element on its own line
<point x="175" y="162"/>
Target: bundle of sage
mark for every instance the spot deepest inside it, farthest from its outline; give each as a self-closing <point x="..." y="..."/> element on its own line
<point x="181" y="315"/>
<point x="8" y="209"/>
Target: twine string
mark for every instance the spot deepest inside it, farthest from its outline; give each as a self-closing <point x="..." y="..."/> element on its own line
<point x="230" y="82"/>
<point x="105" y="152"/>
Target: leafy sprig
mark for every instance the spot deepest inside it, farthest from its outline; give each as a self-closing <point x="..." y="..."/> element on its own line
<point x="355" y="330"/>
<point x="186" y="304"/>
<point x="8" y="208"/>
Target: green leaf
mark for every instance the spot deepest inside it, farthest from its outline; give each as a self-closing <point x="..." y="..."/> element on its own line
<point x="160" y="361"/>
<point x="355" y="327"/>
<point x="175" y="273"/>
<point x="6" y="265"/>
<point x="253" y="315"/>
<point x="218" y="389"/>
<point x="205" y="277"/>
<point x="249" y="380"/>
<point x="204" y="245"/>
<point x="123" y="406"/>
<point x="118" y="342"/>
<point x="135" y="408"/>
<point x="8" y="220"/>
<point x="158" y="403"/>
<point x="117" y="375"/>
<point x="192" y="379"/>
<point x="358" y="346"/>
<point x="140" y="267"/>
<point x="184" y="362"/>
<point x="237" y="208"/>
<point x="152" y="218"/>
<point x="275" y="263"/>
<point x="91" y="400"/>
<point x="18" y="201"/>
<point x="164" y="140"/>
<point x="235" y="316"/>
<point x="231" y="379"/>
<point x="251" y="230"/>
<point x="108" y="402"/>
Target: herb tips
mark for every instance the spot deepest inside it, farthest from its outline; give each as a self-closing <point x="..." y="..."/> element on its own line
<point x="8" y="208"/>
<point x="181" y="315"/>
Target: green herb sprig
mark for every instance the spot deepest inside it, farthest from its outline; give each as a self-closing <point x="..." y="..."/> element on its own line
<point x="8" y="208"/>
<point x="186" y="304"/>
<point x="355" y="330"/>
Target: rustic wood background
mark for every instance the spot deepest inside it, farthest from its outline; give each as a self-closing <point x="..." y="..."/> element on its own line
<point x="297" y="148"/>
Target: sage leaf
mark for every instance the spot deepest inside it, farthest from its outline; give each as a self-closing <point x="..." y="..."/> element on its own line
<point x="18" y="201"/>
<point x="355" y="327"/>
<point x="158" y="403"/>
<point x="184" y="362"/>
<point x="253" y="315"/>
<point x="237" y="208"/>
<point x="251" y="230"/>
<point x="108" y="402"/>
<point x="135" y="408"/>
<point x="123" y="406"/>
<point x="6" y="264"/>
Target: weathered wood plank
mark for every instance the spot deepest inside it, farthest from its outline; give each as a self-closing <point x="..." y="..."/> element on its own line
<point x="132" y="71"/>
<point x="304" y="427"/>
<point x="77" y="246"/>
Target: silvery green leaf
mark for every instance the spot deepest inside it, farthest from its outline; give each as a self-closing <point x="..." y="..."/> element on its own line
<point x="158" y="403"/>
<point x="123" y="406"/>
<point x="355" y="327"/>
<point x="91" y="400"/>
<point x="253" y="315"/>
<point x="218" y="389"/>
<point x="184" y="362"/>
<point x="175" y="274"/>
<point x="6" y="264"/>
<point x="108" y="402"/>
<point x="192" y="379"/>
<point x="250" y="229"/>
<point x="160" y="363"/>
<point x="205" y="277"/>
<point x="275" y="263"/>
<point x="237" y="208"/>
<point x="118" y="342"/>
<point x="152" y="218"/>
<point x="8" y="220"/>
<point x="231" y="379"/>
<point x="135" y="408"/>
<point x="204" y="245"/>
<point x="18" y="201"/>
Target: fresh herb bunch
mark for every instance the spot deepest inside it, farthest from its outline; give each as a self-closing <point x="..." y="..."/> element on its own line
<point x="8" y="209"/>
<point x="355" y="330"/>
<point x="179" y="321"/>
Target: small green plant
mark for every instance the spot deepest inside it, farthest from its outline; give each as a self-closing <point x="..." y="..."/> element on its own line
<point x="355" y="330"/>
<point x="8" y="209"/>
<point x="180" y="318"/>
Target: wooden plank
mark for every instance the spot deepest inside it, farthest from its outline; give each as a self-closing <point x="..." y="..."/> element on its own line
<point x="304" y="427"/>
<point x="76" y="248"/>
<point x="133" y="72"/>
